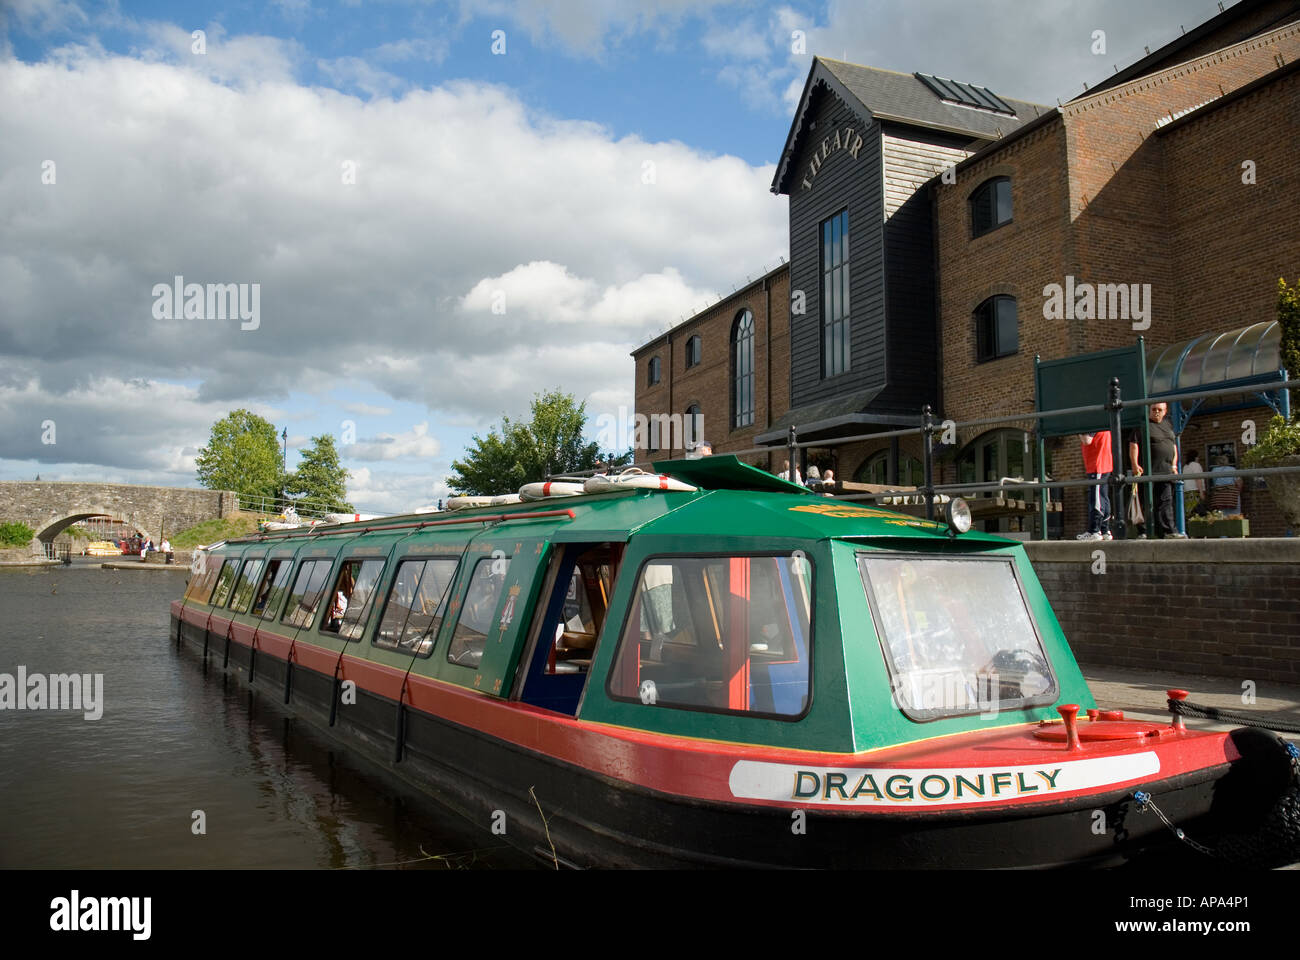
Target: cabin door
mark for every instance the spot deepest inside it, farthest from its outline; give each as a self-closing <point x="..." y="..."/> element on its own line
<point x="569" y="619"/>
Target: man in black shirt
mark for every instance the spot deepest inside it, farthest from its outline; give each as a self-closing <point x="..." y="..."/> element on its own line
<point x="1164" y="459"/>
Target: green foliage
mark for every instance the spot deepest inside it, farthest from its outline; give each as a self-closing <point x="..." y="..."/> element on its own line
<point x="210" y="531"/>
<point x="320" y="479"/>
<point x="518" y="453"/>
<point x="15" y="534"/>
<point x="243" y="454"/>
<point x="1280" y="439"/>
<point x="1288" y="316"/>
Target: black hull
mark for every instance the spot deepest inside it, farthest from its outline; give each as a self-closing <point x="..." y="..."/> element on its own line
<point x="596" y="821"/>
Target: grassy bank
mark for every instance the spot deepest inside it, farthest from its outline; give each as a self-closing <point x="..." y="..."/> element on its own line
<point x="210" y="531"/>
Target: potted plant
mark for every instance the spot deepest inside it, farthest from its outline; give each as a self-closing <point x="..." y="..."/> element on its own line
<point x="1279" y="446"/>
<point x="1216" y="523"/>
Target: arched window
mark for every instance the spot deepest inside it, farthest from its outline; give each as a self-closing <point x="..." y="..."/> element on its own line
<point x="835" y="295"/>
<point x="990" y="205"/>
<point x="742" y="370"/>
<point x="994" y="455"/>
<point x="694" y="351"/>
<point x="653" y="373"/>
<point x="996" y="328"/>
<point x="692" y="426"/>
<point x="875" y="469"/>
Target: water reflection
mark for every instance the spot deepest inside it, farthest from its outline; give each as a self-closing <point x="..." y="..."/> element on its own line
<point x="123" y="791"/>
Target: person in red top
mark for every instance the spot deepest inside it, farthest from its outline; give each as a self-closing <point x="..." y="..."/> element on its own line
<point x="1097" y="464"/>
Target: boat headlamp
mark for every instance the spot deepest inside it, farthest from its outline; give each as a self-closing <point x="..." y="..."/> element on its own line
<point x="958" y="515"/>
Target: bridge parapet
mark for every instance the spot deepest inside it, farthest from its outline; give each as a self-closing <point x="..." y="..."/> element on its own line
<point x="50" y="506"/>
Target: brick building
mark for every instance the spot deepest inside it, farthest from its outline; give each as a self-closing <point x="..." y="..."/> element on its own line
<point x="1175" y="178"/>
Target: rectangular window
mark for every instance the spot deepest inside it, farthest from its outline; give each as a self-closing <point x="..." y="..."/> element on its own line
<point x="248" y="578"/>
<point x="352" y="598"/>
<point x="957" y="635"/>
<point x="201" y="583"/>
<point x="270" y="594"/>
<point x="416" y="605"/>
<point x="835" y="294"/>
<point x="224" y="582"/>
<point x="477" y="617"/>
<point x="726" y="634"/>
<point x="305" y="596"/>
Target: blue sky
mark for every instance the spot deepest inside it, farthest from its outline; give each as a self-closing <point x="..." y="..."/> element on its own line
<point x="479" y="179"/>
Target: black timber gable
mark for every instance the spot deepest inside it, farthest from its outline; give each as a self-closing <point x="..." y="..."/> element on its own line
<point x="836" y="166"/>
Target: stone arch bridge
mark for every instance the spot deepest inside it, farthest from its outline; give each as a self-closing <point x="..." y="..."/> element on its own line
<point x="51" y="506"/>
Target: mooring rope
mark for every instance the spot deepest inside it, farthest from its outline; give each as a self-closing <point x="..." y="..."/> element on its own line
<point x="1186" y="709"/>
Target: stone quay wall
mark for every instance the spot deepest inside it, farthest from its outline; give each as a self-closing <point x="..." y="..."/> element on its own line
<point x="1224" y="608"/>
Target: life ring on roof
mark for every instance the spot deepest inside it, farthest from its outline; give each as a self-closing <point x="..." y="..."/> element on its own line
<point x="468" y="503"/>
<point x="635" y="477"/>
<point x="551" y="488"/>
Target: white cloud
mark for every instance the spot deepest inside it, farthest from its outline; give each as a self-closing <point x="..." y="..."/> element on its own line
<point x="367" y="410"/>
<point x="393" y="492"/>
<point x="356" y="73"/>
<point x="585" y="28"/>
<point x="431" y="49"/>
<point x="415" y="442"/>
<point x="165" y="170"/>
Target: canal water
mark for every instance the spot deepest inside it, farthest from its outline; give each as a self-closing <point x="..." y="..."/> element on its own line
<point x="122" y="791"/>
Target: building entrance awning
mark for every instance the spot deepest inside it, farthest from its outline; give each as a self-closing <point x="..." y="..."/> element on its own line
<point x="843" y="416"/>
<point x="1246" y="357"/>
<point x="1214" y="358"/>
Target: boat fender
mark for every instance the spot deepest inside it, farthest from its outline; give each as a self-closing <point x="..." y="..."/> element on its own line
<point x="469" y="503"/>
<point x="551" y="488"/>
<point x="637" y="478"/>
<point x="1257" y="803"/>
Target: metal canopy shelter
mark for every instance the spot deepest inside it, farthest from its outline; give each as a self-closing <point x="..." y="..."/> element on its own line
<point x="1242" y="358"/>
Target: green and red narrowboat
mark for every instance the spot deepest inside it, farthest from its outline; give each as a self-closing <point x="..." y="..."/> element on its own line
<point x="732" y="671"/>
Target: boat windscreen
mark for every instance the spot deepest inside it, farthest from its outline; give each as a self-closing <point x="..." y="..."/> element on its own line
<point x="957" y="635"/>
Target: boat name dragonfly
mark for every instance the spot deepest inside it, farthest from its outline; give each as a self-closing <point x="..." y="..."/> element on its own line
<point x="891" y="786"/>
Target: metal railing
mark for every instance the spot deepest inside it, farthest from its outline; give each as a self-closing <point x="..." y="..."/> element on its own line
<point x="1116" y="480"/>
<point x="312" y="509"/>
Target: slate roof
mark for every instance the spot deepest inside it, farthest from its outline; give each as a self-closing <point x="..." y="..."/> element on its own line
<point x="899" y="98"/>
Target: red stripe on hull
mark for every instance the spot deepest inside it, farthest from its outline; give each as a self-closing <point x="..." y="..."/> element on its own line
<point x="702" y="769"/>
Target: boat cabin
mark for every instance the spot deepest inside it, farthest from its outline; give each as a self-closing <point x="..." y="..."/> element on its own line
<point x="742" y="609"/>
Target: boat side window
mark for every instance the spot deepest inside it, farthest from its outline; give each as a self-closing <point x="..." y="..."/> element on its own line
<point x="416" y="605"/>
<point x="270" y="592"/>
<point x="248" y="577"/>
<point x="957" y="635"/>
<point x="352" y="598"/>
<point x="305" y="596"/>
<point x="476" y="617"/>
<point x="201" y="583"/>
<point x="728" y="634"/>
<point x="224" y="582"/>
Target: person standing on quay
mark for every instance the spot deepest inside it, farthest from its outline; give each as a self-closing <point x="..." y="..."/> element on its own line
<point x="1164" y="459"/>
<point x="1097" y="463"/>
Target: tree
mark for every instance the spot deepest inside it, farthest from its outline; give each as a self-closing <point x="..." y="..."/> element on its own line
<point x="1288" y="318"/>
<point x="519" y="452"/>
<point x="243" y="454"/>
<point x="320" y="479"/>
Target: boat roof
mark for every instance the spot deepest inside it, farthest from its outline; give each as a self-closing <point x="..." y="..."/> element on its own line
<point x="733" y="500"/>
